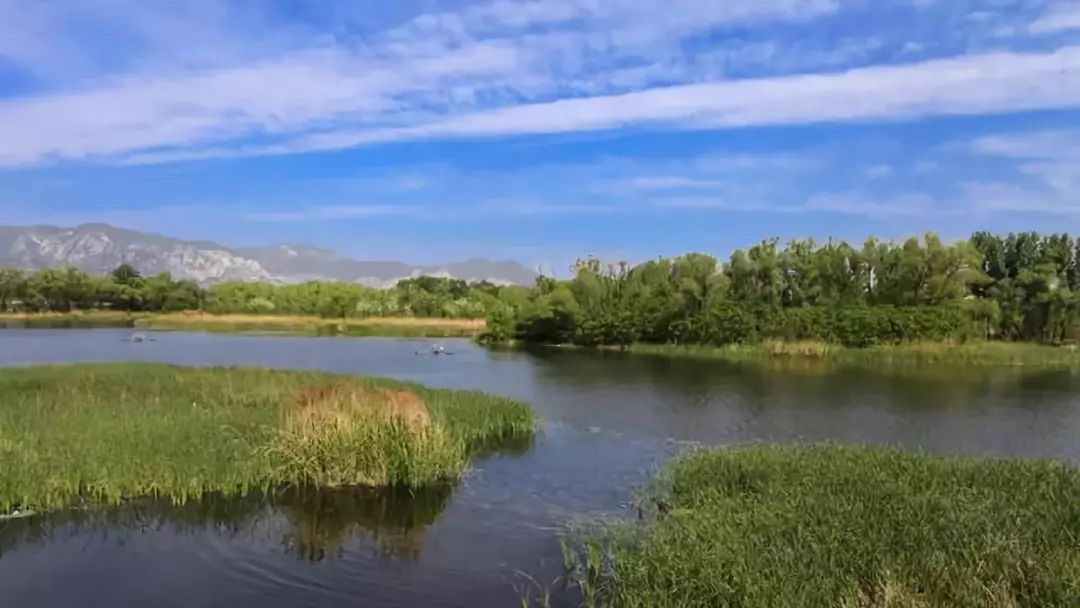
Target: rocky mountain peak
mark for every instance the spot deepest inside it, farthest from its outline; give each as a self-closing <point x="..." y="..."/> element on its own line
<point x="99" y="248"/>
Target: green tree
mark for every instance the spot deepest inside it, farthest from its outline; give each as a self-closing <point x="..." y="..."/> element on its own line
<point x="126" y="274"/>
<point x="12" y="287"/>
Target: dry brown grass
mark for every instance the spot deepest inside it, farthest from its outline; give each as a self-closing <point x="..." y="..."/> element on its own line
<point x="344" y="403"/>
<point x="885" y="593"/>
<point x="75" y="314"/>
<point x="889" y="593"/>
<point x="201" y="317"/>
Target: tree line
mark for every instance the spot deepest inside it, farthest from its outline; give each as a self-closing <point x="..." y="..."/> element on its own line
<point x="68" y="289"/>
<point x="1021" y="286"/>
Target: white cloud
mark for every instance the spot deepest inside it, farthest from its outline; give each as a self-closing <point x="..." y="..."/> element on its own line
<point x="731" y="203"/>
<point x="1021" y="198"/>
<point x="1063" y="17"/>
<point x="257" y="86"/>
<point x="984" y="84"/>
<point x="298" y="92"/>
<point x="206" y="75"/>
<point x="1048" y="164"/>
<point x="442" y="212"/>
<point x="334" y="212"/>
<point x="856" y="203"/>
<point x="670" y="182"/>
<point x="1053" y="144"/>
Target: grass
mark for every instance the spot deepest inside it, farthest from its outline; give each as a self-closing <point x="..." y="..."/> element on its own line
<point x="79" y="434"/>
<point x="50" y="320"/>
<point x="390" y="327"/>
<point x="977" y="352"/>
<point x="835" y="526"/>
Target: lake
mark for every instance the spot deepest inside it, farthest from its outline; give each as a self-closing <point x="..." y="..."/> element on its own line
<point x="609" y="419"/>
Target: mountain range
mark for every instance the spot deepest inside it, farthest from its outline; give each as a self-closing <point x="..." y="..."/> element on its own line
<point x="99" y="248"/>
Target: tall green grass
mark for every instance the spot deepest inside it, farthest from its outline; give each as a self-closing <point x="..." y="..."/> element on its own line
<point x="834" y="526"/>
<point x="105" y="433"/>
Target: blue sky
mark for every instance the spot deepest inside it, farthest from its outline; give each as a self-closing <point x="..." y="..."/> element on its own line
<point x="542" y="130"/>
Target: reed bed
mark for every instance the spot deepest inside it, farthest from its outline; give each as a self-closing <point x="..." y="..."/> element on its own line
<point x="390" y="327"/>
<point x="842" y="526"/>
<point x="105" y="433"/>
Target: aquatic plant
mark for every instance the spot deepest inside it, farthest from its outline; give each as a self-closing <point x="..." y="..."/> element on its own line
<point x="106" y="433"/>
<point x="830" y="525"/>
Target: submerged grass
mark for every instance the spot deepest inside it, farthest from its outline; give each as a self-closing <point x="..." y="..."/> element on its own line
<point x="106" y="433"/>
<point x="966" y="353"/>
<point x="836" y="526"/>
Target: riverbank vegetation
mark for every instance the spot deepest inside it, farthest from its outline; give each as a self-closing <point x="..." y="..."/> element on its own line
<point x="64" y="290"/>
<point x="105" y="433"/>
<point x="842" y="526"/>
<point x="390" y="327"/>
<point x="973" y="352"/>
<point x="1021" y="287"/>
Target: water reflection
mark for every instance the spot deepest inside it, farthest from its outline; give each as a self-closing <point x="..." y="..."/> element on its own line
<point x="309" y="523"/>
<point x="970" y="409"/>
<point x="322" y="521"/>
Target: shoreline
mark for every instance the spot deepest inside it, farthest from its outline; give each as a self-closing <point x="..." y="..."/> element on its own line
<point x="974" y="353"/>
<point x="981" y="352"/>
<point x="388" y="327"/>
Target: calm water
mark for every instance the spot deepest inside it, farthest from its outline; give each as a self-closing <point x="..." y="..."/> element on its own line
<point x="608" y="420"/>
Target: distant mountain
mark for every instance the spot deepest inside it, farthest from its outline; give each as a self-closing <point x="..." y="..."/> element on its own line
<point x="301" y="263"/>
<point x="99" y="248"/>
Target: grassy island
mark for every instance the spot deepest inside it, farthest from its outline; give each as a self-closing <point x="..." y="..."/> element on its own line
<point x="833" y="526"/>
<point x="105" y="433"/>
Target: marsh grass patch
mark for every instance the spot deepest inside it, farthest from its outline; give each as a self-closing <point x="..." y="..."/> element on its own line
<point x="85" y="434"/>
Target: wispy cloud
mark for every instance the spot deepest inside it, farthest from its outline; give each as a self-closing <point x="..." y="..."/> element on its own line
<point x="861" y="203"/>
<point x="1060" y="18"/>
<point x="1019" y="198"/>
<point x="256" y="85"/>
<point x="878" y="171"/>
<point x="1036" y="172"/>
<point x="335" y="212"/>
<point x="128" y="119"/>
<point x="985" y="84"/>
<point x="730" y="203"/>
<point x="670" y="182"/>
<point x="1052" y="144"/>
<point x="488" y="209"/>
